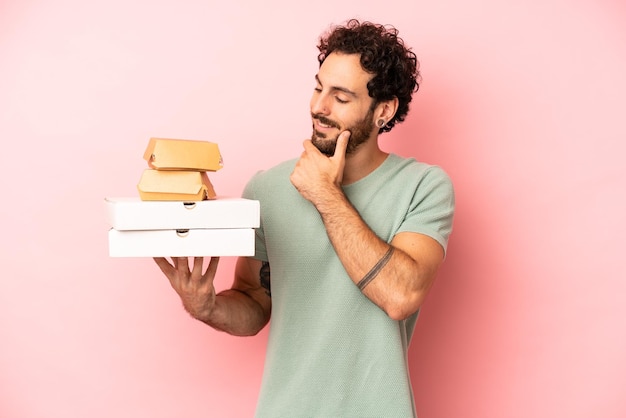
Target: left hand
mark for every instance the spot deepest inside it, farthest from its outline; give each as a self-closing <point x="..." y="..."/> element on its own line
<point x="194" y="287"/>
<point x="315" y="173"/>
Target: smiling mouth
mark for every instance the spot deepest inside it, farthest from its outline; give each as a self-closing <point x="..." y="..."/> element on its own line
<point x="324" y="123"/>
<point x="322" y="127"/>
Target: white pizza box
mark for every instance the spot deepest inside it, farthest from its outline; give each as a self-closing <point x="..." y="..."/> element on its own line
<point x="132" y="213"/>
<point x="182" y="243"/>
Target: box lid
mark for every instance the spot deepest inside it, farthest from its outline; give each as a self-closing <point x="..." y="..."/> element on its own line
<point x="131" y="213"/>
<point x="183" y="154"/>
<point x="175" y="185"/>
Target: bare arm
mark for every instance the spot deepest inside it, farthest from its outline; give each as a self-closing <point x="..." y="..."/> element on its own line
<point x="400" y="284"/>
<point x="244" y="309"/>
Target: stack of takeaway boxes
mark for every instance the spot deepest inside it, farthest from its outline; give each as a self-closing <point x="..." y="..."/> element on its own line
<point x="177" y="212"/>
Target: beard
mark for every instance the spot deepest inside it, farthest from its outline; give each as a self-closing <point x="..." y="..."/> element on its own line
<point x="359" y="134"/>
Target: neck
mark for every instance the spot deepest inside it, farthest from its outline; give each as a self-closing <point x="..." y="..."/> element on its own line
<point x="363" y="161"/>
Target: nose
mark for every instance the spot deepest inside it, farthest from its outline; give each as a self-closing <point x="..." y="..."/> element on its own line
<point x="319" y="104"/>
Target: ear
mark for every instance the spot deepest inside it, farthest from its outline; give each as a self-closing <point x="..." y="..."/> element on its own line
<point x="386" y="110"/>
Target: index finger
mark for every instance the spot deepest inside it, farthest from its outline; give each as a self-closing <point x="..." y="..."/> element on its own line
<point x="342" y="144"/>
<point x="163" y="264"/>
<point x="307" y="144"/>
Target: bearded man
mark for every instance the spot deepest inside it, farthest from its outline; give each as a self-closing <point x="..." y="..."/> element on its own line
<point x="350" y="242"/>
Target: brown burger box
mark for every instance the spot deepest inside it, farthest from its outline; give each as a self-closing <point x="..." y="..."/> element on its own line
<point x="175" y="185"/>
<point x="183" y="154"/>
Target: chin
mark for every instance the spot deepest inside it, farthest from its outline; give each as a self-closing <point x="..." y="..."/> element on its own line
<point x="324" y="145"/>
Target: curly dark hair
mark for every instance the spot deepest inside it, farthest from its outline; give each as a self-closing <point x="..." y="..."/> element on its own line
<point x="383" y="53"/>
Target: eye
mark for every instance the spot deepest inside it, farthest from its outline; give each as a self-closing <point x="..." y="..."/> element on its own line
<point x="340" y="100"/>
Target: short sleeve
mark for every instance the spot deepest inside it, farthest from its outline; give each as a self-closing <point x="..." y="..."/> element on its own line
<point x="431" y="211"/>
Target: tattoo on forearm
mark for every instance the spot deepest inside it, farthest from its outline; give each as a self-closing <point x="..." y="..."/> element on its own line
<point x="376" y="269"/>
<point x="264" y="274"/>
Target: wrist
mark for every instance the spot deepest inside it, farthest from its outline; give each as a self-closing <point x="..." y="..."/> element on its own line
<point x="330" y="199"/>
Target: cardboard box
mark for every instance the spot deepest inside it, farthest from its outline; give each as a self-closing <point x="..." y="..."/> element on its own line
<point x="182" y="243"/>
<point x="183" y="154"/>
<point x="186" y="186"/>
<point x="131" y="213"/>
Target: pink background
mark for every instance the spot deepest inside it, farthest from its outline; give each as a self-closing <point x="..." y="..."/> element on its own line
<point x="523" y="103"/>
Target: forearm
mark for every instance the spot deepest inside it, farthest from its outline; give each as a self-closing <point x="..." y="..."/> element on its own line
<point x="399" y="286"/>
<point x="236" y="313"/>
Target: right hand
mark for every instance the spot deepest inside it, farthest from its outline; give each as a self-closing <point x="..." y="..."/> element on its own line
<point x="195" y="288"/>
<point x="316" y="173"/>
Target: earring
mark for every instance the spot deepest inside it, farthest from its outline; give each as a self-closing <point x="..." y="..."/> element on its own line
<point x="380" y="123"/>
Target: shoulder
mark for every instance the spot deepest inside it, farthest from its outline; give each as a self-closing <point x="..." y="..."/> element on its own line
<point x="417" y="171"/>
<point x="269" y="178"/>
<point x="426" y="185"/>
<point x="275" y="171"/>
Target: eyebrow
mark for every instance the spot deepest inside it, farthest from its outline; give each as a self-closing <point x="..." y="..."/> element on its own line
<point x="337" y="88"/>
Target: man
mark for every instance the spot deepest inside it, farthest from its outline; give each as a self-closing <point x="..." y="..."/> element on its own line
<point x="354" y="237"/>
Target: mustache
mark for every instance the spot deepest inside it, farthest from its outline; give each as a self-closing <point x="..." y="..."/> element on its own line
<point x="325" y="120"/>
